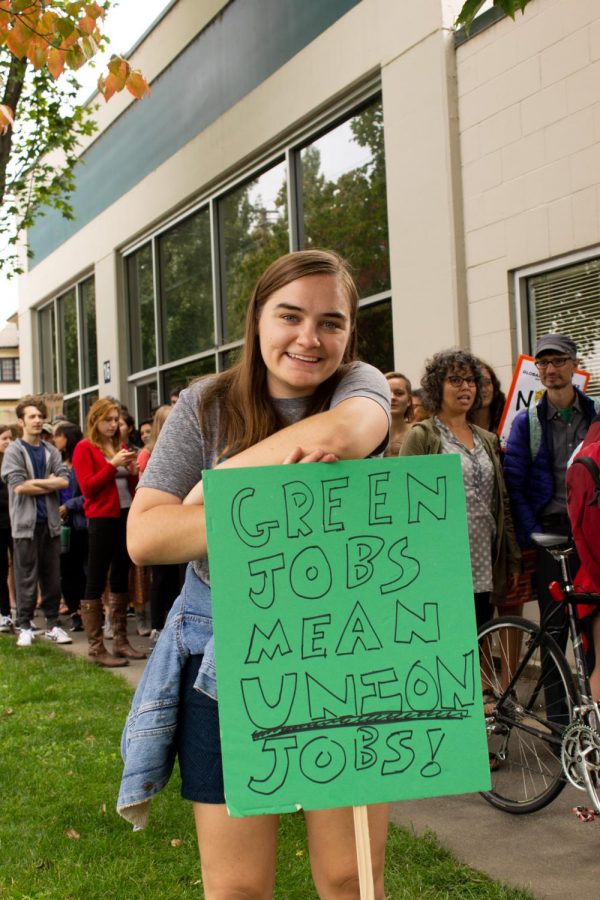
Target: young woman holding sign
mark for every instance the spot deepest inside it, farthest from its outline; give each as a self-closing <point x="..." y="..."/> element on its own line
<point x="296" y="395"/>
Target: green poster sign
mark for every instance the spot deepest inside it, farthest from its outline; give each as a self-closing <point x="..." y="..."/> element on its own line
<point x="345" y="636"/>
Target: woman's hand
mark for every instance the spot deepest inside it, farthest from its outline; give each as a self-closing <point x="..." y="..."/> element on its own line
<point x="196" y="495"/>
<point x="63" y="511"/>
<point x="301" y="456"/>
<point x="133" y="468"/>
<point x="123" y="458"/>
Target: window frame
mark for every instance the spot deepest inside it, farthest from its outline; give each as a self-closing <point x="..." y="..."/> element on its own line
<point x="14" y="360"/>
<point x="288" y="151"/>
<point x="58" y="345"/>
<point x="520" y="279"/>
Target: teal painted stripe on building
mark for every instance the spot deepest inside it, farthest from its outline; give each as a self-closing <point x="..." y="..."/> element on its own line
<point x="240" y="48"/>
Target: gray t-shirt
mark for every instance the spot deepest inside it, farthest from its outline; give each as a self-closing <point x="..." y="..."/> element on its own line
<point x="183" y="451"/>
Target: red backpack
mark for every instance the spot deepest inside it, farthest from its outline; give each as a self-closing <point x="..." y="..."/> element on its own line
<point x="583" y="501"/>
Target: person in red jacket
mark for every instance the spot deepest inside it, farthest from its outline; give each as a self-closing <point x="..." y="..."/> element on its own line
<point x="107" y="474"/>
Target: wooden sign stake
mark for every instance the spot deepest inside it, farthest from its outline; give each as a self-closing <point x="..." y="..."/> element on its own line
<point x="363" y="853"/>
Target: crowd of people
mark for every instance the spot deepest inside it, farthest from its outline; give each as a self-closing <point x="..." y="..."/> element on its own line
<point x="64" y="501"/>
<point x="297" y="394"/>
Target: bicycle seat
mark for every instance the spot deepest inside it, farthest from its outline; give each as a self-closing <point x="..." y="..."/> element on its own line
<point x="552" y="541"/>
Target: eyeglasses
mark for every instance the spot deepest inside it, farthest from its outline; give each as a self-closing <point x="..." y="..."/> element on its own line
<point x="457" y="380"/>
<point x="557" y="361"/>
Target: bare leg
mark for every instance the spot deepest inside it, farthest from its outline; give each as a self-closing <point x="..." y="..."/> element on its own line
<point x="595" y="676"/>
<point x="332" y="849"/>
<point x="237" y="855"/>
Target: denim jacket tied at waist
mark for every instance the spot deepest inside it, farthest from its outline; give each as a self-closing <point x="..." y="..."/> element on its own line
<point x="148" y="740"/>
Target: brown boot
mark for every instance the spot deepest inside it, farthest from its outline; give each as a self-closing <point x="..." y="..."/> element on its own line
<point x="91" y="615"/>
<point x="118" y="603"/>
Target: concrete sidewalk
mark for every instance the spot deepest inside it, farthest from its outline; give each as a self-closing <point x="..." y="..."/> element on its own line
<point x="550" y="853"/>
<point x="132" y="673"/>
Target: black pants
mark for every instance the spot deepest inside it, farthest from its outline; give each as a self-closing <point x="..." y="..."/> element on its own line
<point x="164" y="590"/>
<point x="547" y="570"/>
<point x="107" y="550"/>
<point x="5" y="548"/>
<point x="73" y="569"/>
<point x="483" y="608"/>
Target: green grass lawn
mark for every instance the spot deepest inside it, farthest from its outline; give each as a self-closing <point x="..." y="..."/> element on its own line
<point x="60" y="837"/>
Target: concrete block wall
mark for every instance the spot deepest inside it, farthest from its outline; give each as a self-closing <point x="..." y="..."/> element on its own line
<point x="529" y="119"/>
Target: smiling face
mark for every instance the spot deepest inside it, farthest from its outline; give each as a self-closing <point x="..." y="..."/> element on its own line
<point x="458" y="398"/>
<point x="401" y="398"/>
<point x="145" y="433"/>
<point x="303" y="330"/>
<point x="108" y="426"/>
<point x="555" y="369"/>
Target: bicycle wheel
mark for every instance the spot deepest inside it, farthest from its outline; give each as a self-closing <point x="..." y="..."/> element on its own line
<point x="524" y="726"/>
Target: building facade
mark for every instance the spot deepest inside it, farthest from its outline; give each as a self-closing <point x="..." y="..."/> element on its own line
<point x="458" y="175"/>
<point x="10" y="372"/>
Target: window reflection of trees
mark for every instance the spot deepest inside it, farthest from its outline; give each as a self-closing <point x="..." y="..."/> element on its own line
<point x="342" y="206"/>
<point x="186" y="287"/>
<point x="375" y="335"/>
<point x="349" y="213"/>
<point x="68" y="316"/>
<point x="140" y="289"/>
<point x="253" y="236"/>
<point x="89" y="375"/>
<point x="182" y="376"/>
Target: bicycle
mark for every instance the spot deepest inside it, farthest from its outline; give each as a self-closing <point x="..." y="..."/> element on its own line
<point x="542" y="724"/>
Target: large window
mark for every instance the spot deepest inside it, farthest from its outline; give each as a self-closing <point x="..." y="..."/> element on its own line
<point x="188" y="285"/>
<point x="566" y="300"/>
<point x="68" y="353"/>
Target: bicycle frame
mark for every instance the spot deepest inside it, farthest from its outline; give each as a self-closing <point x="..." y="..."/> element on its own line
<point x="545" y="700"/>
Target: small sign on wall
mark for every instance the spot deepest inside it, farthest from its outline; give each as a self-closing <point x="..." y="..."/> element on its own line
<point x="106" y="371"/>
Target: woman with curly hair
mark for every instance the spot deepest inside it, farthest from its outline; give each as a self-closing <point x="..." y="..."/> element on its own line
<point x="452" y="389"/>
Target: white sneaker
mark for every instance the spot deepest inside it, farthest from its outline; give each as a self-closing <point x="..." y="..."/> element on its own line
<point x="59" y="636"/>
<point x="6" y="624"/>
<point x="25" y="638"/>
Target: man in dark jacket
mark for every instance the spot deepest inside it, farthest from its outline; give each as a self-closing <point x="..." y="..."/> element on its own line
<point x="541" y="441"/>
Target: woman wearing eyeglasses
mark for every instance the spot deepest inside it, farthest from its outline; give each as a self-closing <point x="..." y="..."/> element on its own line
<point x="452" y="386"/>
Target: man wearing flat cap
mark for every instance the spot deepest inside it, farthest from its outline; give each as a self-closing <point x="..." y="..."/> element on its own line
<point x="541" y="441"/>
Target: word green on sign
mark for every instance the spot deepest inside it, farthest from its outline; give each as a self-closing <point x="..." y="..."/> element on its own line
<point x="345" y="638"/>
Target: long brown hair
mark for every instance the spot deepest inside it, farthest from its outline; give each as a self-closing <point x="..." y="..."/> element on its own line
<point x="246" y="414"/>
<point x="158" y="420"/>
<point x="99" y="411"/>
<point x="409" y="412"/>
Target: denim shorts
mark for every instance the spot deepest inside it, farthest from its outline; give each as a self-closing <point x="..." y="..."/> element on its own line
<point x="199" y="741"/>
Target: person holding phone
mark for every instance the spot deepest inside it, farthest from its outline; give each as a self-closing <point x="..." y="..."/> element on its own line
<point x="107" y="474"/>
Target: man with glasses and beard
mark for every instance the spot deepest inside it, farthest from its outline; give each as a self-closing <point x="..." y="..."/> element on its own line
<point x="541" y="442"/>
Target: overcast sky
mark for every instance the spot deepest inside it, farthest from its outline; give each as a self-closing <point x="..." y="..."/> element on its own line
<point x="125" y="23"/>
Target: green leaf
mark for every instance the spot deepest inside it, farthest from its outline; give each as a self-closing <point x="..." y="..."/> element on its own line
<point x="468" y="13"/>
<point x="65" y="27"/>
